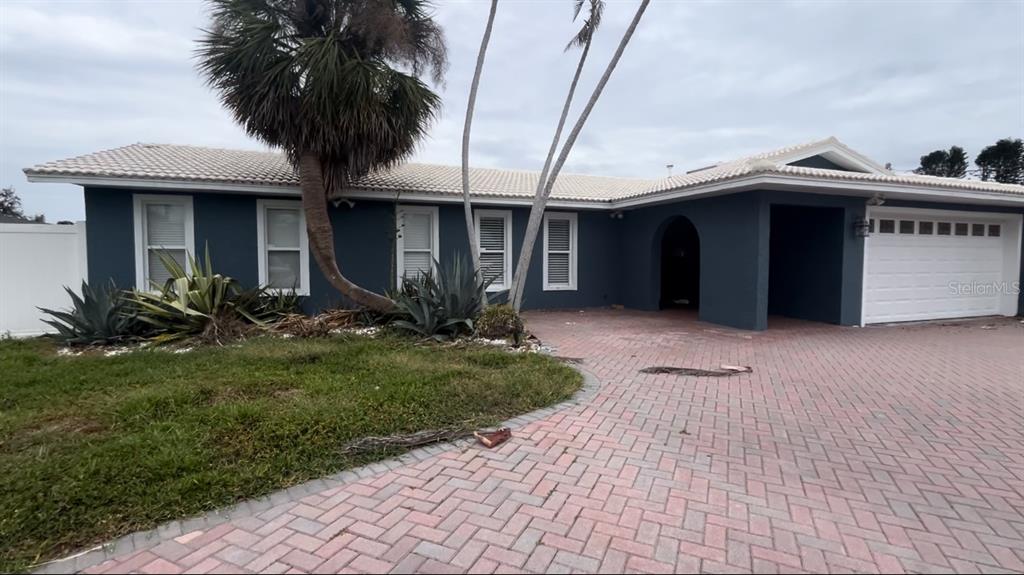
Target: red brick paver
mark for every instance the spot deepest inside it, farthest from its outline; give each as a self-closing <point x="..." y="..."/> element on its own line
<point x="881" y="449"/>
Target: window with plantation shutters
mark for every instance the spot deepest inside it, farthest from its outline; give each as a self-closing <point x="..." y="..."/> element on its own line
<point x="284" y="246"/>
<point x="560" y="238"/>
<point x="417" y="241"/>
<point x="494" y="238"/>
<point x="163" y="226"/>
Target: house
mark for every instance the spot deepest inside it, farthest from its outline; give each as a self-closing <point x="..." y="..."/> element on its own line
<point x="816" y="231"/>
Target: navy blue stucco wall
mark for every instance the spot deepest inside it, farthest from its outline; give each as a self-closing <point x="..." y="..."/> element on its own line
<point x="820" y="162"/>
<point x="734" y="257"/>
<point x="227" y="224"/>
<point x="735" y="270"/>
<point x="110" y="239"/>
<point x="618" y="259"/>
<point x="364" y="244"/>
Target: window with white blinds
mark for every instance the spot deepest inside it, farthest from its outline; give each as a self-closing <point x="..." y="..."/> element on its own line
<point x="494" y="239"/>
<point x="284" y="246"/>
<point x="560" y="233"/>
<point x="417" y="242"/>
<point x="163" y="224"/>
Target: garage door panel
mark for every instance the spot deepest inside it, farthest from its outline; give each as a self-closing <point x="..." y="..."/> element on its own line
<point x="917" y="276"/>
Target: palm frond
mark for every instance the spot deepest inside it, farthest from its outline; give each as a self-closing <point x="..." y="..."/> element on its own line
<point x="590" y="25"/>
<point x="326" y="77"/>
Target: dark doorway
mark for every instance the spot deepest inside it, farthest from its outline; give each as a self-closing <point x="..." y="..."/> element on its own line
<point x="680" y="265"/>
<point x="805" y="275"/>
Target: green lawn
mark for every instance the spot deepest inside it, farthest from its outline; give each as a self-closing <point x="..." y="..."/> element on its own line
<point x="93" y="447"/>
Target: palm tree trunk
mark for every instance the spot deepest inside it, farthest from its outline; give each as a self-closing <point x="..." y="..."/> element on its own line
<point x="540" y="202"/>
<point x="321" y="235"/>
<point x="537" y="212"/>
<point x="467" y="205"/>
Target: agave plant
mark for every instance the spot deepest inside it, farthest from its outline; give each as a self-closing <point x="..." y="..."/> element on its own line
<point x="462" y="289"/>
<point x="203" y="303"/>
<point x="442" y="304"/>
<point x="99" y="316"/>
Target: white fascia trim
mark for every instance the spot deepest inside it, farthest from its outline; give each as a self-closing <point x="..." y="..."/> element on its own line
<point x="261" y="244"/>
<point x="139" y="202"/>
<point x="505" y="215"/>
<point x="435" y="245"/>
<point x="176" y="185"/>
<point x="573" y="244"/>
<point x="801" y="183"/>
<point x="478" y="200"/>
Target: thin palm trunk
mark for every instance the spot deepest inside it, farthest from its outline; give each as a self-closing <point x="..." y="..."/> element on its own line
<point x="321" y="235"/>
<point x="516" y="294"/>
<point x="540" y="202"/>
<point x="474" y="248"/>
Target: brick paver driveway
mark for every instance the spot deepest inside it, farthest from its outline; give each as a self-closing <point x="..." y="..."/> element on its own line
<point x="878" y="449"/>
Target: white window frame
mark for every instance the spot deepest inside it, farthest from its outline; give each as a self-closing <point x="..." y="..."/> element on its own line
<point x="140" y="201"/>
<point x="435" y="243"/>
<point x="506" y="215"/>
<point x="264" y="250"/>
<point x="573" y="242"/>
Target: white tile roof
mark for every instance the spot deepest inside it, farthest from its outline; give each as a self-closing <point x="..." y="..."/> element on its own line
<point x="192" y="164"/>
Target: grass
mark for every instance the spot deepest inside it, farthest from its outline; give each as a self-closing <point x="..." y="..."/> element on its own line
<point x="94" y="447"/>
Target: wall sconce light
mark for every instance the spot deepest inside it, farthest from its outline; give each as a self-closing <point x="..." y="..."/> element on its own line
<point x="861" y="228"/>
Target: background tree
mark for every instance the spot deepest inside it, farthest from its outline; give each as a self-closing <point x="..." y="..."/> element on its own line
<point x="943" y="163"/>
<point x="336" y="85"/>
<point x="474" y="249"/>
<point x="1002" y="161"/>
<point x="10" y="203"/>
<point x="540" y="201"/>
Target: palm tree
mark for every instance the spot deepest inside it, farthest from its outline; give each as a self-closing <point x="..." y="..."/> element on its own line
<point x="467" y="204"/>
<point x="582" y="39"/>
<point x="548" y="180"/>
<point x="324" y="81"/>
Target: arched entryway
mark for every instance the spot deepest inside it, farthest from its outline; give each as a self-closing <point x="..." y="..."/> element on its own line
<point x="680" y="265"/>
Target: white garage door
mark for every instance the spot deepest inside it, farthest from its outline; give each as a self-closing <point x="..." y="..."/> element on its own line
<point x="923" y="265"/>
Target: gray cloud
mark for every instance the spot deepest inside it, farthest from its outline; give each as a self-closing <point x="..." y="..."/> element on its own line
<point x="701" y="82"/>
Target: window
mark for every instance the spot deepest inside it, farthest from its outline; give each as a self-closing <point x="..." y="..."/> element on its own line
<point x="945" y="228"/>
<point x="925" y="228"/>
<point x="977" y="229"/>
<point x="417" y="242"/>
<point x="906" y="226"/>
<point x="284" y="246"/>
<point x="886" y="226"/>
<point x="162" y="224"/>
<point x="560" y="237"/>
<point x="961" y="229"/>
<point x="994" y="230"/>
<point x="871" y="226"/>
<point x="494" y="238"/>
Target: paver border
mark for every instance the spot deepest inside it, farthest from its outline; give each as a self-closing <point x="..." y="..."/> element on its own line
<point x="142" y="540"/>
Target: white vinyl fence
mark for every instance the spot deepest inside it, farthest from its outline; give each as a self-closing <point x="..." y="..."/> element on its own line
<point x="36" y="262"/>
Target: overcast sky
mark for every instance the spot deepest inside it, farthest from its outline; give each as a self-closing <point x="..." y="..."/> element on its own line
<point x="701" y="82"/>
